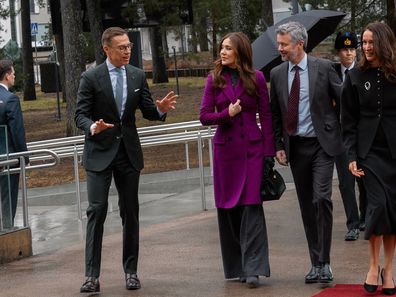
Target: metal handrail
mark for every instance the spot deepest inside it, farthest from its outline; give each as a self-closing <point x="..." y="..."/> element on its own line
<point x="19" y="157"/>
<point x="44" y="152"/>
<point x="182" y="132"/>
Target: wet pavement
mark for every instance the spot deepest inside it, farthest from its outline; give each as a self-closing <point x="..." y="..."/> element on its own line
<point x="179" y="245"/>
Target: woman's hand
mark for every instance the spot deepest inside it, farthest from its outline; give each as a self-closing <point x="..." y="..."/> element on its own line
<point x="234" y="109"/>
<point x="354" y="170"/>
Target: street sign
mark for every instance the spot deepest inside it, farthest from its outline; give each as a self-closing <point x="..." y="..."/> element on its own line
<point x="34" y="28"/>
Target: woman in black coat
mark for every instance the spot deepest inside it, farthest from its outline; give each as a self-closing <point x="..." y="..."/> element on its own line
<point x="368" y="118"/>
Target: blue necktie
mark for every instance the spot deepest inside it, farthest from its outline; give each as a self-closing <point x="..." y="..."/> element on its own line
<point x="119" y="89"/>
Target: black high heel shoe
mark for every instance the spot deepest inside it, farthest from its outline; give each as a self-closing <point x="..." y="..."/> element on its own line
<point x="387" y="291"/>
<point x="372" y="288"/>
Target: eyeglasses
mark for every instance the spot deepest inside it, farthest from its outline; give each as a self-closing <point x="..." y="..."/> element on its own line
<point x="124" y="48"/>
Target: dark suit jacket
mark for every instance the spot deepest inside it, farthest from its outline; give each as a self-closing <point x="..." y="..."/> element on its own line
<point x="368" y="102"/>
<point x="324" y="87"/>
<point x="95" y="100"/>
<point x="337" y="67"/>
<point x="11" y="116"/>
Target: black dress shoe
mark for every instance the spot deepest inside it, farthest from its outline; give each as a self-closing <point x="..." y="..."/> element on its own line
<point x="132" y="282"/>
<point x="313" y="275"/>
<point x="362" y="226"/>
<point x="352" y="234"/>
<point x="90" y="285"/>
<point x="326" y="275"/>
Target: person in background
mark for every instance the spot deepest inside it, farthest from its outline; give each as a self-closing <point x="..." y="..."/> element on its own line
<point x="11" y="117"/>
<point x="368" y="118"/>
<point x="107" y="99"/>
<point x="345" y="45"/>
<point x="234" y="92"/>
<point x="308" y="136"/>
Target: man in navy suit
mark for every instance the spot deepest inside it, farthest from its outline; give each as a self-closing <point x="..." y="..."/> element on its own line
<point x="11" y="117"/>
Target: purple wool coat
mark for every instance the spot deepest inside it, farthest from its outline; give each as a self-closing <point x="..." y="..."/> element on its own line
<point x="239" y="146"/>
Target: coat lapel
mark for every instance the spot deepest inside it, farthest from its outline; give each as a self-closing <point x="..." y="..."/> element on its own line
<point x="284" y="82"/>
<point x="228" y="90"/>
<point x="131" y="76"/>
<point x="312" y="75"/>
<point x="105" y="82"/>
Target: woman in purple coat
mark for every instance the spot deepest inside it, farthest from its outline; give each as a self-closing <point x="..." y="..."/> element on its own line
<point x="234" y="92"/>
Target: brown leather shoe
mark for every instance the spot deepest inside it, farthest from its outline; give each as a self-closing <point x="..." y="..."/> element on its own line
<point x="132" y="282"/>
<point x="90" y="285"/>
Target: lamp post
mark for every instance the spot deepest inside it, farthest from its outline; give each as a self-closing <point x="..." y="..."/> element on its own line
<point x="294" y="6"/>
<point x="56" y="64"/>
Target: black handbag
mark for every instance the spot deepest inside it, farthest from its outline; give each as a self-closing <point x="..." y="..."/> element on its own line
<point x="272" y="183"/>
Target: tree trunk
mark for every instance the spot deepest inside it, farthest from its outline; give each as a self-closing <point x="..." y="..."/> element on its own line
<point x="165" y="42"/>
<point x="157" y="54"/>
<point x="214" y="37"/>
<point x="12" y="20"/>
<point x="239" y="16"/>
<point x="57" y="29"/>
<point x="268" y="16"/>
<point x="194" y="41"/>
<point x="29" y="91"/>
<point x="73" y="51"/>
<point x="391" y="14"/>
<point x="95" y="24"/>
<point x="353" y="15"/>
<point x="202" y="34"/>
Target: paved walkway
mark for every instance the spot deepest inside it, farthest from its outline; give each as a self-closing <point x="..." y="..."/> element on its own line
<point x="179" y="250"/>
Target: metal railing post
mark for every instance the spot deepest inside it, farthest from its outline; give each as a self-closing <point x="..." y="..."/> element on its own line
<point x="187" y="154"/>
<point x="24" y="192"/>
<point x="77" y="180"/>
<point x="210" y="147"/>
<point x="201" y="171"/>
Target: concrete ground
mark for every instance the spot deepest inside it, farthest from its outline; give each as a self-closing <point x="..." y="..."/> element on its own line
<point x="179" y="246"/>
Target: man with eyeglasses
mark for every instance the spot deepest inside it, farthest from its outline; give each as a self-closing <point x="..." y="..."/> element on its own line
<point x="107" y="99"/>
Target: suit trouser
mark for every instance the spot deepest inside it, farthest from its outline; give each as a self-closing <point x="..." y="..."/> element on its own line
<point x="347" y="189"/>
<point x="126" y="179"/>
<point x="312" y="170"/>
<point x="9" y="199"/>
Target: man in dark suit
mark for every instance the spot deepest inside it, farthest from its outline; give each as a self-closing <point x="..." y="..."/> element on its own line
<point x="307" y="135"/>
<point x="11" y="118"/>
<point x="107" y="100"/>
<point x="345" y="45"/>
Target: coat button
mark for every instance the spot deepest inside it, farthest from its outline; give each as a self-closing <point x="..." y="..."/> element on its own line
<point x="242" y="136"/>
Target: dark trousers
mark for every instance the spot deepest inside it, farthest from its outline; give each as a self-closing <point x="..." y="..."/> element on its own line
<point x="126" y="179"/>
<point x="9" y="198"/>
<point x="347" y="189"/>
<point x="243" y="240"/>
<point x="312" y="170"/>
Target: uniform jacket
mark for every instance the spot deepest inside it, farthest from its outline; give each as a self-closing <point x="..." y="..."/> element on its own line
<point x="239" y="144"/>
<point x="324" y="87"/>
<point x="95" y="100"/>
